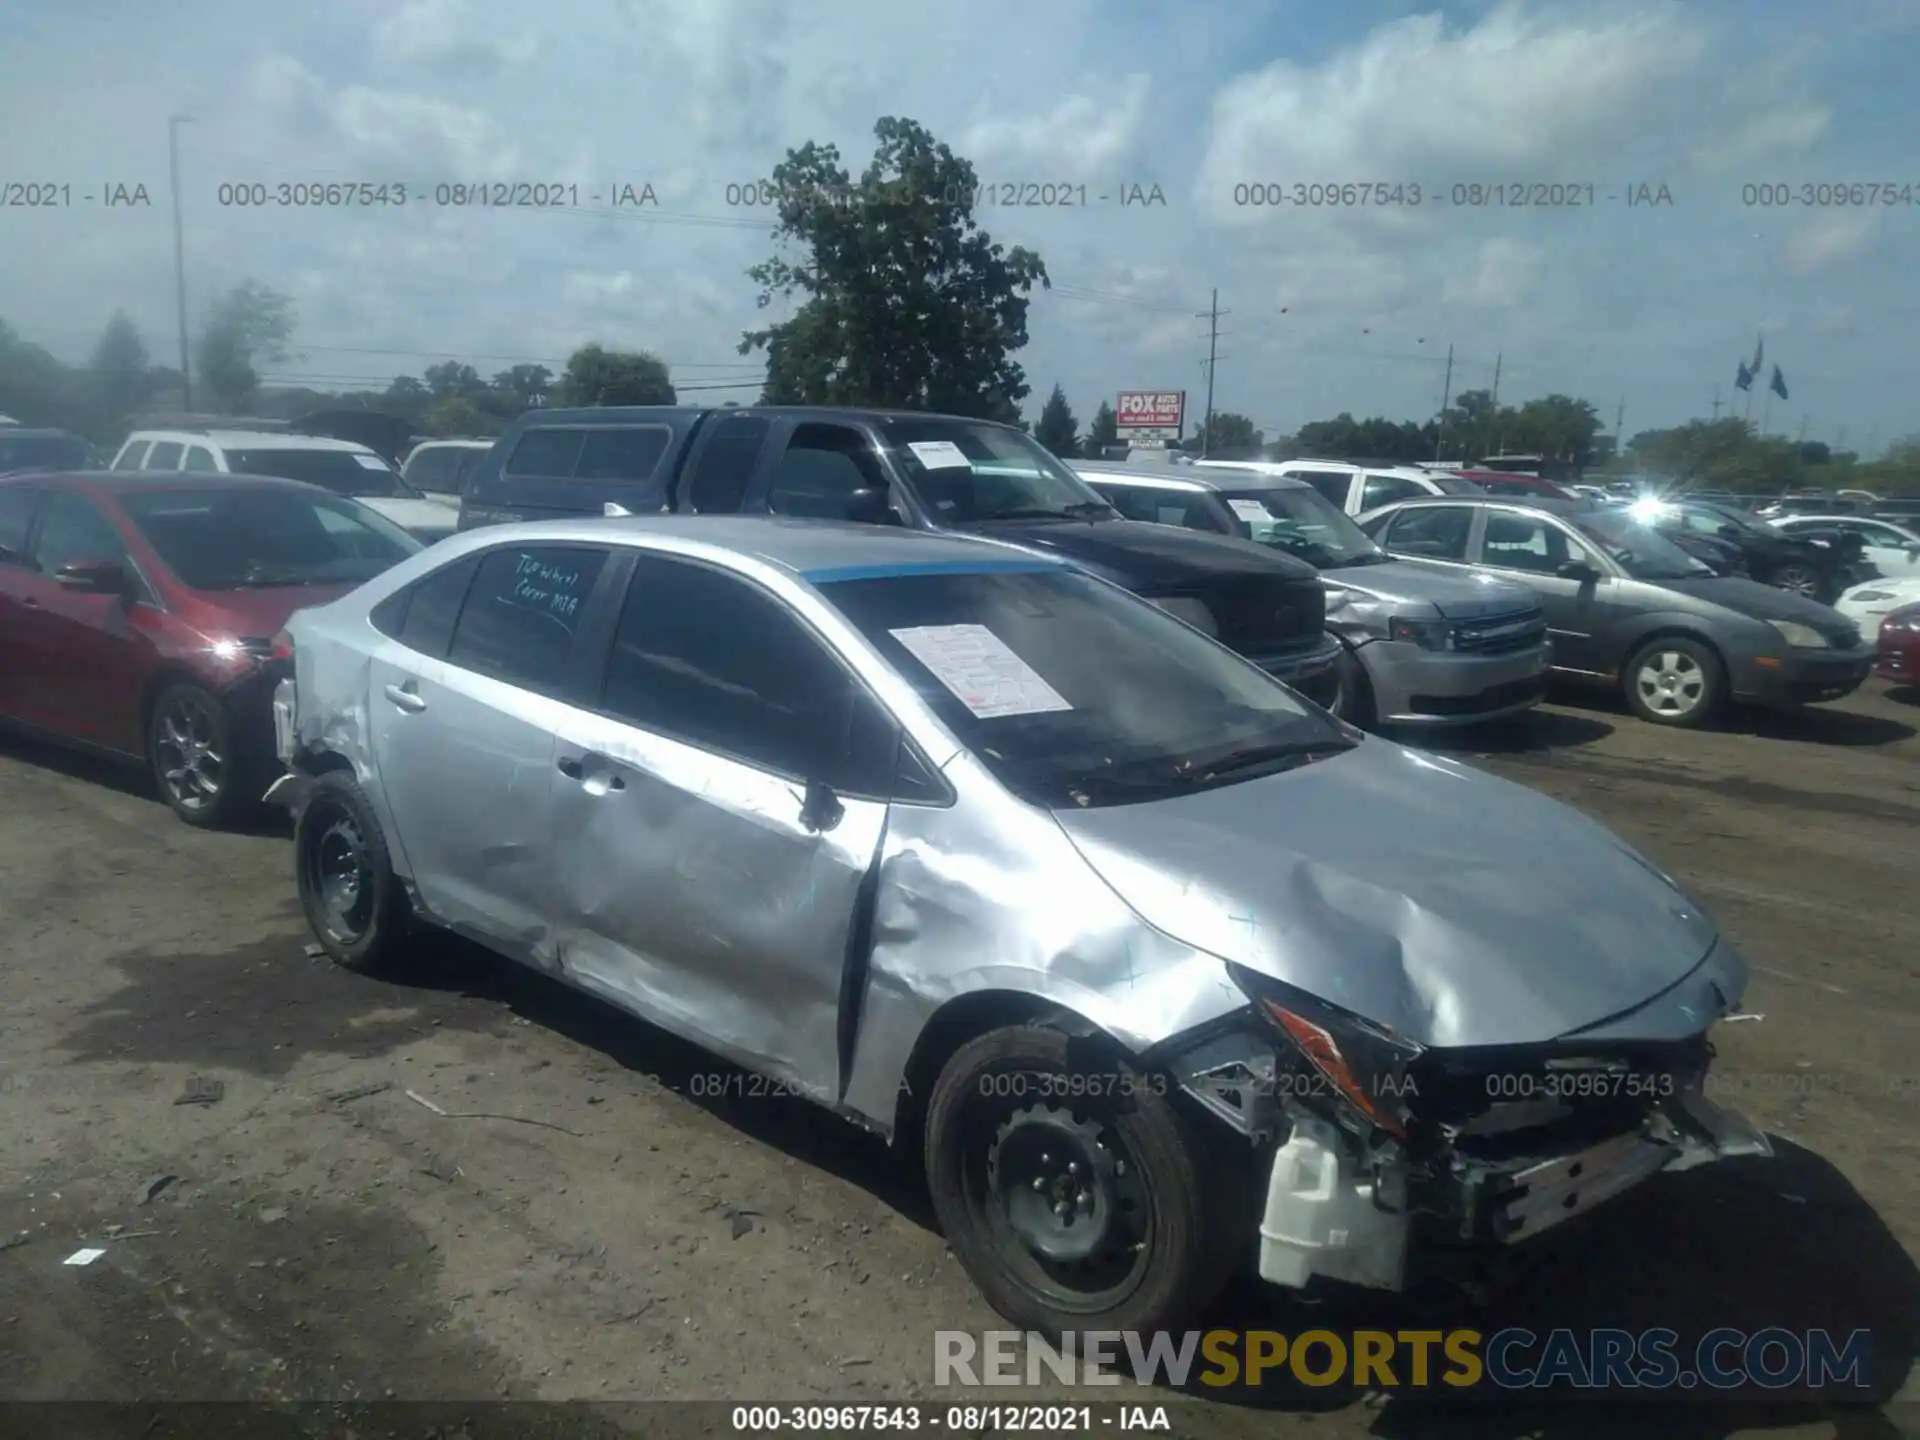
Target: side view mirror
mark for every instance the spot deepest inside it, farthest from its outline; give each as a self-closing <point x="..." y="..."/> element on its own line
<point x="94" y="576"/>
<point x="1578" y="570"/>
<point x="820" y="809"/>
<point x="868" y="506"/>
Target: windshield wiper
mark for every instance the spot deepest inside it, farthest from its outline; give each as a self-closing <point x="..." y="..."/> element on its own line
<point x="1089" y="507"/>
<point x="1027" y="514"/>
<point x="1254" y="756"/>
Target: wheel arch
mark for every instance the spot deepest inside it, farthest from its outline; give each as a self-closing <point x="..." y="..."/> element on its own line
<point x="1672" y="630"/>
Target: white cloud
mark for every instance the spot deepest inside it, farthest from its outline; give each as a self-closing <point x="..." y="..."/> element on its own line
<point x="1776" y="131"/>
<point x="1077" y="139"/>
<point x="384" y="126"/>
<point x="447" y="33"/>
<point x="1507" y="272"/>
<point x="1831" y="239"/>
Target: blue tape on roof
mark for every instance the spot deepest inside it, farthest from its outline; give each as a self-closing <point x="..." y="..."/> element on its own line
<point x="941" y="567"/>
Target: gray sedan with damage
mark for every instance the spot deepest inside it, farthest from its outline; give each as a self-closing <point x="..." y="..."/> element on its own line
<point x="1155" y="964"/>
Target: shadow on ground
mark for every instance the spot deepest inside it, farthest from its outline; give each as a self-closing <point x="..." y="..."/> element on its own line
<point x="129" y="777"/>
<point x="1817" y="725"/>
<point x="1531" y="733"/>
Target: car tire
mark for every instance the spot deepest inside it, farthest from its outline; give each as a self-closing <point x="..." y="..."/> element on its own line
<point x="354" y="903"/>
<point x="1797" y="577"/>
<point x="1157" y="1231"/>
<point x="193" y="752"/>
<point x="1354" y="702"/>
<point x="1675" y="681"/>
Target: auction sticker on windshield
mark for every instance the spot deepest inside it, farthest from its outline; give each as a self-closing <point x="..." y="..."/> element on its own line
<point x="1251" y="511"/>
<point x="372" y="462"/>
<point x="982" y="672"/>
<point x="940" y="455"/>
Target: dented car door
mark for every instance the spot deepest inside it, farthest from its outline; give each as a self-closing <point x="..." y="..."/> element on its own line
<point x="712" y="843"/>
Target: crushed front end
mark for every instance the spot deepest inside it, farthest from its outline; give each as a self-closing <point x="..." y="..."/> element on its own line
<point x="1386" y="1163"/>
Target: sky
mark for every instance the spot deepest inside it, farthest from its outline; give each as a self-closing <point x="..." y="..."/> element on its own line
<point x="1221" y="106"/>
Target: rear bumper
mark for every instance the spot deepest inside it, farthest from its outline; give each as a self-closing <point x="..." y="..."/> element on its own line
<point x="1313" y="669"/>
<point x="1412" y="686"/>
<point x="1806" y="678"/>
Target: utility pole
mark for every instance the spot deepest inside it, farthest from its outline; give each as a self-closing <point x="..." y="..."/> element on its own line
<point x="1803" y="428"/>
<point x="1212" y="317"/>
<point x="179" y="257"/>
<point x="1716" y="404"/>
<point x="1496" y="381"/>
<point x="1446" y="398"/>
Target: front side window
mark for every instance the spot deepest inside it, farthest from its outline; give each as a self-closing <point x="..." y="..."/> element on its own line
<point x="131" y="457"/>
<point x="1134" y="502"/>
<point x="523" y="611"/>
<point x="165" y="455"/>
<point x="200" y="458"/>
<point x="1521" y="542"/>
<point x="17" y="506"/>
<point x="710" y="659"/>
<point x="1075" y="694"/>
<point x="822" y="468"/>
<point x="235" y="538"/>
<point x="72" y="528"/>
<point x="969" y="471"/>
<point x="1430" y="532"/>
<point x="433" y="470"/>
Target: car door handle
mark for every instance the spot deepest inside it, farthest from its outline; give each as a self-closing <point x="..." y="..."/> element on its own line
<point x="29" y="602"/>
<point x="405" y="699"/>
<point x="572" y="769"/>
<point x="605" y="779"/>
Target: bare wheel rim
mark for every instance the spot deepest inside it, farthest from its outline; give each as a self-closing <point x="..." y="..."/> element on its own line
<point x="1799" y="580"/>
<point x="192" y="760"/>
<point x="339" y="876"/>
<point x="1671" y="683"/>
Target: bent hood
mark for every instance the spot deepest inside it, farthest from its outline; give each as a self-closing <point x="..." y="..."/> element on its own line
<point x="422" y="517"/>
<point x="1455" y="907"/>
<point x="1146" y="557"/>
<point x="1458" y="595"/>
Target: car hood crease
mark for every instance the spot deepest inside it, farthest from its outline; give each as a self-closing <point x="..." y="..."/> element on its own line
<point x="1454" y="907"/>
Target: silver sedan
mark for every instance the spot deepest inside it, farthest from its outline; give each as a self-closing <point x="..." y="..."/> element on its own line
<point x="1151" y="960"/>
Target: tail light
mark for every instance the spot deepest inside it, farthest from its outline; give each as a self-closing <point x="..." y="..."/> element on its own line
<point x="282" y="647"/>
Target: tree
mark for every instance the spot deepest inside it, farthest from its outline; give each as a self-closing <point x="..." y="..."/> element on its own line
<point x="450" y="379"/>
<point x="1104" y="431"/>
<point x="1231" y="434"/>
<point x="1058" y="430"/>
<point x="598" y="376"/>
<point x="907" y="301"/>
<point x="529" y="385"/>
<point x="121" y="368"/>
<point x="454" y="415"/>
<point x="250" y="322"/>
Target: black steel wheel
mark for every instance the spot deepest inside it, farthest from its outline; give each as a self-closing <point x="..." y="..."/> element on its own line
<point x="1075" y="1199"/>
<point x="191" y="747"/>
<point x="354" y="903"/>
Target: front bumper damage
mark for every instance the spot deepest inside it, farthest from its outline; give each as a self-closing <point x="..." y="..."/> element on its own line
<point x="1345" y="1202"/>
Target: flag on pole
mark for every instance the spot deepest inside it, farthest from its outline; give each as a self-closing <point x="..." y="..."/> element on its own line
<point x="1779" y="385"/>
<point x="1759" y="353"/>
<point x="1743" y="378"/>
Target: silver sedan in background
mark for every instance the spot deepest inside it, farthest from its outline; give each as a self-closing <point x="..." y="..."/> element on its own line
<point x="1157" y="965"/>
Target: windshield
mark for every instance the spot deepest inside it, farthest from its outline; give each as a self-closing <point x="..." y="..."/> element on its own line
<point x="42" y="452"/>
<point x="1075" y="694"/>
<point x="345" y="472"/>
<point x="1636" y="547"/>
<point x="234" y="539"/>
<point x="963" y="472"/>
<point x="1302" y="523"/>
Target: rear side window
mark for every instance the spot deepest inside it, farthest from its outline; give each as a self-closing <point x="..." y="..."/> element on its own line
<point x="1333" y="484"/>
<point x="523" y="611"/>
<point x="621" y="453"/>
<point x="422" y="616"/>
<point x="719" y="482"/>
<point x="165" y="456"/>
<point x="547" y="453"/>
<point x="131" y="457"/>
<point x="16" y="519"/>
<point x="200" y="458"/>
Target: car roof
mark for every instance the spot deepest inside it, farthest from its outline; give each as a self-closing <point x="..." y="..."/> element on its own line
<point x="145" y="482"/>
<point x="806" y="547"/>
<point x="1545" y="504"/>
<point x="27" y="432"/>
<point x="1185" y="479"/>
<point x="251" y="440"/>
<point x="451" y="445"/>
<point x="636" y="414"/>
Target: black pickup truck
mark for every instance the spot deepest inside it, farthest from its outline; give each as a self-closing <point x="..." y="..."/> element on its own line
<point x="932" y="472"/>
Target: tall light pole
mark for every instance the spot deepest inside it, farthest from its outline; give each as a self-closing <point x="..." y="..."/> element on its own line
<point x="179" y="256"/>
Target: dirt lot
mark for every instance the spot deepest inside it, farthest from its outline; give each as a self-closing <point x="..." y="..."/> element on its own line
<point x="680" y="1237"/>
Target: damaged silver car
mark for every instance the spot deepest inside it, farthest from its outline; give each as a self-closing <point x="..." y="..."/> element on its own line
<point x="1159" y="967"/>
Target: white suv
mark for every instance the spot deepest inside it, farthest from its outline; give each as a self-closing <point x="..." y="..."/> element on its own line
<point x="1355" y="488"/>
<point x="337" y="465"/>
<point x="438" y="468"/>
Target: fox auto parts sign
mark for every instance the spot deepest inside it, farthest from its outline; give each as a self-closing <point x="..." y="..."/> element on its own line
<point x="1151" y="410"/>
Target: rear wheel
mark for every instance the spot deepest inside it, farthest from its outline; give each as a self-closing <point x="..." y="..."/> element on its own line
<point x="192" y="748"/>
<point x="1799" y="578"/>
<point x="1675" y="681"/>
<point x="1076" y="1200"/>
<point x="353" y="901"/>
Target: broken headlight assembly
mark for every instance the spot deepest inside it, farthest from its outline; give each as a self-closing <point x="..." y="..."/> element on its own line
<point x="1357" y="1068"/>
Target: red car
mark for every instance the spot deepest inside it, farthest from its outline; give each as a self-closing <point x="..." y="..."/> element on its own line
<point x="138" y="614"/>
<point x="1900" y="646"/>
<point x="1508" y="482"/>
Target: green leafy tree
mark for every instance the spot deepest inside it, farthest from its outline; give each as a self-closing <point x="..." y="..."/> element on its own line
<point x="121" y="368"/>
<point x="906" y="301"/>
<point x="250" y="323"/>
<point x="1230" y="435"/>
<point x="454" y="415"/>
<point x="527" y="385"/>
<point x="1058" y="430"/>
<point x="1104" y="431"/>
<point x="598" y="376"/>
<point x="450" y="379"/>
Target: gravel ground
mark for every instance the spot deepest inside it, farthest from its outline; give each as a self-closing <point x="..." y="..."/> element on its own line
<point x="667" y="1233"/>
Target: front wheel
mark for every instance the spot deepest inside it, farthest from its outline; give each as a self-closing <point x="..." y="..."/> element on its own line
<point x="1675" y="681"/>
<point x="1076" y="1200"/>
<point x="353" y="901"/>
<point x="192" y="747"/>
<point x="1798" y="578"/>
